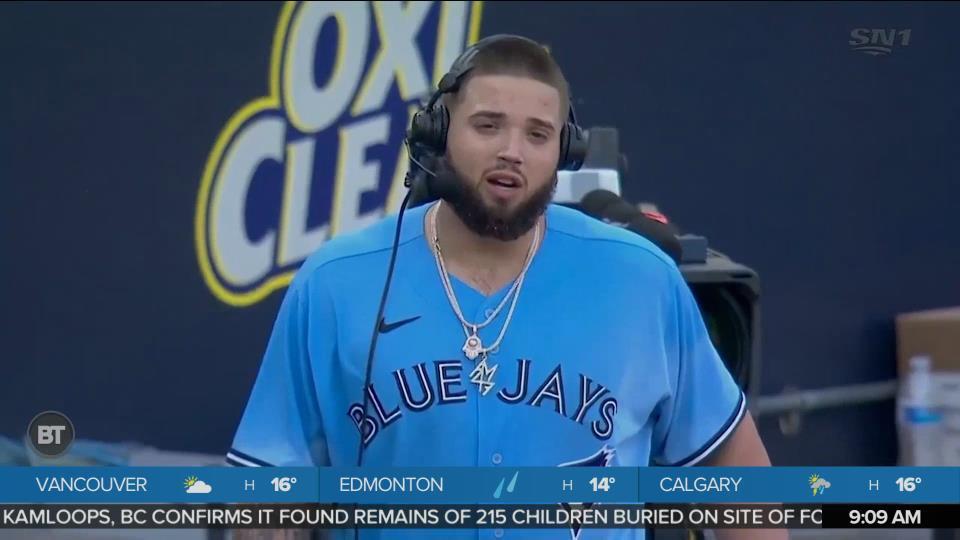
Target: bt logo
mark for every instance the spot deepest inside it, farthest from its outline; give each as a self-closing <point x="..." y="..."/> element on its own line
<point x="51" y="433"/>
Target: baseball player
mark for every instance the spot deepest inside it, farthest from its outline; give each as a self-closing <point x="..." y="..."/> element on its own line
<point x="515" y="332"/>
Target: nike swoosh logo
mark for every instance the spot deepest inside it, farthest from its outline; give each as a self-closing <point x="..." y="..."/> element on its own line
<point x="390" y="327"/>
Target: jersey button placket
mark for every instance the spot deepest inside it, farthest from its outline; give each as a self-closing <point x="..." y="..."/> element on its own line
<point x="490" y="455"/>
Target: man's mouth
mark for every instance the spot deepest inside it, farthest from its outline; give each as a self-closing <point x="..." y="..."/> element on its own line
<point x="504" y="180"/>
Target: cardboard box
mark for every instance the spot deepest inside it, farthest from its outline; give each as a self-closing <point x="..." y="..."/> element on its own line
<point x="935" y="333"/>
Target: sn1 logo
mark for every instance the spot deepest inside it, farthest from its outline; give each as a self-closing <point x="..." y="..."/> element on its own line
<point x="878" y="41"/>
<point x="323" y="152"/>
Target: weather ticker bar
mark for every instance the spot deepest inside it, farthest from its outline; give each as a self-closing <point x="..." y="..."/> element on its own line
<point x="481" y="485"/>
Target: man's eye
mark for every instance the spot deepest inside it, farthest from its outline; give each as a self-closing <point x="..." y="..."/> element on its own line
<point x="539" y="135"/>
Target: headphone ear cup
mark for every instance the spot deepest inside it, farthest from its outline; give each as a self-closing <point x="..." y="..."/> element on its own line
<point x="574" y="142"/>
<point x="441" y="124"/>
<point x="564" y="146"/>
<point x="420" y="128"/>
<point x="429" y="128"/>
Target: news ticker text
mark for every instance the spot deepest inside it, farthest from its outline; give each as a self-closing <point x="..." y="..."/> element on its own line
<point x="553" y="516"/>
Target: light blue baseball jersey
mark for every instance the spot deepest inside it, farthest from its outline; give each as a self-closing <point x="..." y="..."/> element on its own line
<point x="606" y="359"/>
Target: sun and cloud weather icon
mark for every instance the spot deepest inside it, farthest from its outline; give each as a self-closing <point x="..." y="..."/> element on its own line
<point x="195" y="485"/>
<point x="818" y="484"/>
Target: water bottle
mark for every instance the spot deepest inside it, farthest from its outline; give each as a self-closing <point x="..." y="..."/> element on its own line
<point x="919" y="417"/>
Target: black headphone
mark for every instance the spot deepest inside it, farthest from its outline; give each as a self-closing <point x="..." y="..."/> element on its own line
<point x="428" y="130"/>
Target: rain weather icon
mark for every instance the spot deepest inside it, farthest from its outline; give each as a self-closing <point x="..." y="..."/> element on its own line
<point x="818" y="484"/>
<point x="513" y="484"/>
<point x="194" y="485"/>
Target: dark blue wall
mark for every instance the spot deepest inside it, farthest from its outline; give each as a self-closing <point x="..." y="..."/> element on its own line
<point x="834" y="174"/>
<point x="831" y="172"/>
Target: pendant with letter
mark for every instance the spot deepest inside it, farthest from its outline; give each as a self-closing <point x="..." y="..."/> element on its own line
<point x="482" y="376"/>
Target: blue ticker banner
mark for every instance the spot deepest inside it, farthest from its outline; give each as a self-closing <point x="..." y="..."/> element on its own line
<point x="480" y="485"/>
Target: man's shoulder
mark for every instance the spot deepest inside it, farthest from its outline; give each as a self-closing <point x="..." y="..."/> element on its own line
<point x="357" y="253"/>
<point x="610" y="244"/>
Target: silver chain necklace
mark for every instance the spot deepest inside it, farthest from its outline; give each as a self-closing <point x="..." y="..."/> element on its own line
<point x="473" y="347"/>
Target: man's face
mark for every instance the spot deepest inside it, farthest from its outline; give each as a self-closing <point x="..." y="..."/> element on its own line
<point x="503" y="144"/>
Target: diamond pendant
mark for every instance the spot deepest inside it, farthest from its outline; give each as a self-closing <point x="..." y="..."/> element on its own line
<point x="472" y="347"/>
<point x="482" y="376"/>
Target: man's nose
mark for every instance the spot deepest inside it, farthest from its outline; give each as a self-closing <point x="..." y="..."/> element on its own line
<point x="512" y="149"/>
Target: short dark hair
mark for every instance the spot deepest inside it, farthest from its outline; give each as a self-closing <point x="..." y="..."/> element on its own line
<point x="514" y="56"/>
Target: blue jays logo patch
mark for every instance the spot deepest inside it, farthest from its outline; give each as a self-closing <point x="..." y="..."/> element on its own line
<point x="601" y="458"/>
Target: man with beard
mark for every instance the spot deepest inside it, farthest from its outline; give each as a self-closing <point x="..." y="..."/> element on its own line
<point x="515" y="333"/>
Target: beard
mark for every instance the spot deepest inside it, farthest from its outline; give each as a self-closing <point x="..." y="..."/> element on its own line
<point x="481" y="218"/>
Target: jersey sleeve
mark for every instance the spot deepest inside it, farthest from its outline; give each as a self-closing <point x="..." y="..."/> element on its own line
<point x="704" y="404"/>
<point x="281" y="423"/>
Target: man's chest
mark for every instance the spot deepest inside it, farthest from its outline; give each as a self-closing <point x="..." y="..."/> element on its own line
<point x="556" y="381"/>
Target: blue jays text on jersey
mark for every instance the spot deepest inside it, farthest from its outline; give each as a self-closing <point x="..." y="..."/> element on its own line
<point x="447" y="388"/>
